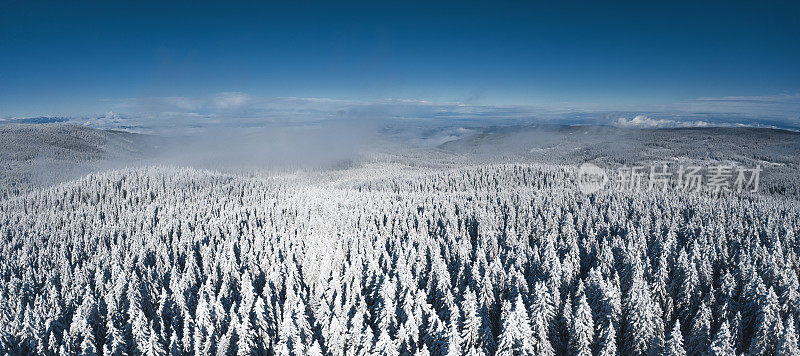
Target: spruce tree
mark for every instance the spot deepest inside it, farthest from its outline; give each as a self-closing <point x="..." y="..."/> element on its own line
<point x="674" y="346"/>
<point x="722" y="344"/>
<point x="787" y="345"/>
<point x="608" y="341"/>
<point x="581" y="332"/>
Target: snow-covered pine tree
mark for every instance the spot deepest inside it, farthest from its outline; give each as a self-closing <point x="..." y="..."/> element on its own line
<point x="507" y="344"/>
<point x="607" y="341"/>
<point x="700" y="335"/>
<point x="471" y="326"/>
<point x="674" y="345"/>
<point x="787" y="345"/>
<point x="542" y="313"/>
<point x="722" y="344"/>
<point x="581" y="332"/>
<point x="767" y="325"/>
<point x="640" y="329"/>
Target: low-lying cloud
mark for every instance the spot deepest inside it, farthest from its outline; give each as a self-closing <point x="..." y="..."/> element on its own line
<point x="642" y="121"/>
<point x="189" y="115"/>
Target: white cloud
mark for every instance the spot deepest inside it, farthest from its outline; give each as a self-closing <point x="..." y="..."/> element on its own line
<point x="642" y="121"/>
<point x="232" y="100"/>
<point x="183" y="103"/>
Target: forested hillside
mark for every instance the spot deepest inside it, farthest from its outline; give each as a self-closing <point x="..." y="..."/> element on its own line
<point x="36" y="155"/>
<point x="485" y="259"/>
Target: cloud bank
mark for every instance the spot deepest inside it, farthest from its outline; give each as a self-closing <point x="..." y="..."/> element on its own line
<point x="237" y="110"/>
<point x="642" y="121"/>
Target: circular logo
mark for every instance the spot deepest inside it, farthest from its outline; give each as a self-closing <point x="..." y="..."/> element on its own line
<point x="591" y="178"/>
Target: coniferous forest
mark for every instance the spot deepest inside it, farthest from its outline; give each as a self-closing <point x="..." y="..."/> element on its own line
<point x="399" y="178"/>
<point x="485" y="259"/>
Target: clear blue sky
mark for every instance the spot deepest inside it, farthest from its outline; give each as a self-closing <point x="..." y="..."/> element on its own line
<point x="68" y="56"/>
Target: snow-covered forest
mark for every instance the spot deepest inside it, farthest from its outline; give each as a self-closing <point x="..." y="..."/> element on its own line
<point x="503" y="259"/>
<point x="359" y="178"/>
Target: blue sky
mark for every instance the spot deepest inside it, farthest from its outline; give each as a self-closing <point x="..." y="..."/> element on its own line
<point x="84" y="58"/>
